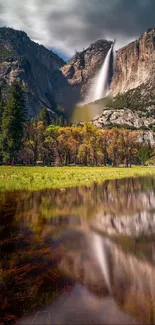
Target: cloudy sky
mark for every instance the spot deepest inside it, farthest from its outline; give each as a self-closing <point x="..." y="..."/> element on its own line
<point x="69" y="25"/>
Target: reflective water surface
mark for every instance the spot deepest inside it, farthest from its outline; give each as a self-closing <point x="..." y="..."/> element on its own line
<point x="80" y="255"/>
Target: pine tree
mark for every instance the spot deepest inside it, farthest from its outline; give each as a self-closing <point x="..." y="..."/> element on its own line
<point x="13" y="117"/>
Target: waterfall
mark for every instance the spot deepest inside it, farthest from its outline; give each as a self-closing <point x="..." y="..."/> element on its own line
<point x="100" y="85"/>
<point x="102" y="80"/>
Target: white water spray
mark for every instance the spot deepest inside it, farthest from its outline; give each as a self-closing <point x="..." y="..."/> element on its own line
<point x="99" y="248"/>
<point x="99" y="87"/>
<point x="102" y="81"/>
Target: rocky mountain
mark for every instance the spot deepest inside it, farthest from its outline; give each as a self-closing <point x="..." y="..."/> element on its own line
<point x="32" y="64"/>
<point x="49" y="81"/>
<point x="132" y="87"/>
<point x="133" y="76"/>
<point x="46" y="78"/>
<point x="82" y="68"/>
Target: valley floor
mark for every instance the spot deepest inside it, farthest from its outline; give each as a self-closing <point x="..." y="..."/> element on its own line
<point x="39" y="178"/>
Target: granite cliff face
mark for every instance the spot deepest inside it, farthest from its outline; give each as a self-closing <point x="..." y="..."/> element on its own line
<point x="135" y="64"/>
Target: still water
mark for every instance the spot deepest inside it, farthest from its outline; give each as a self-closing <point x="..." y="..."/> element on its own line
<point x="79" y="256"/>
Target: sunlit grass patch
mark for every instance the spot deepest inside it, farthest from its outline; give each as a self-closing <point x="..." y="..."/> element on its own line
<point x="37" y="178"/>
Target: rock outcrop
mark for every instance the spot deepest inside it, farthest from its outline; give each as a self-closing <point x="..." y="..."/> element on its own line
<point x="126" y="117"/>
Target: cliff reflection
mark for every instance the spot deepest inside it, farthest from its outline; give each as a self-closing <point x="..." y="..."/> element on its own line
<point x="115" y="198"/>
<point x="43" y="257"/>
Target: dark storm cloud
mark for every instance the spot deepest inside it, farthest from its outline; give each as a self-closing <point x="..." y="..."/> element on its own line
<point x="72" y="24"/>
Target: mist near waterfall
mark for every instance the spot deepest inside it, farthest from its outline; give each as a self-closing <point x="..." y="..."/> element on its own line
<point x="99" y="89"/>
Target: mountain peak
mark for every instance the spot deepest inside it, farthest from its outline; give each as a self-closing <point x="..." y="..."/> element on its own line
<point x="11" y="33"/>
<point x="19" y="42"/>
<point x="100" y="43"/>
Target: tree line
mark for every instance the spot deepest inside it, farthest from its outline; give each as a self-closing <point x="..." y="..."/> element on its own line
<point x="38" y="141"/>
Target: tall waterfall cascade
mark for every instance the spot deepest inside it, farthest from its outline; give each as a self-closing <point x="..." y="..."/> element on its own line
<point x="100" y="86"/>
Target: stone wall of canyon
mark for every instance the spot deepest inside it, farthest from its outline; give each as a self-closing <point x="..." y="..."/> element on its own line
<point x="135" y="64"/>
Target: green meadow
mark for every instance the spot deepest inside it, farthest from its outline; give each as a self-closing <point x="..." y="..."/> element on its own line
<point x="37" y="178"/>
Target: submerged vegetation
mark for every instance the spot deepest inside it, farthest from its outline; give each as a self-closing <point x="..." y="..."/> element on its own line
<point x="35" y="178"/>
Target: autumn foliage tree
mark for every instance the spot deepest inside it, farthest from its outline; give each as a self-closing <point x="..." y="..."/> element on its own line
<point x="81" y="145"/>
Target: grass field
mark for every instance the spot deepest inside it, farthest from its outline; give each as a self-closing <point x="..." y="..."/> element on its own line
<point x="36" y="178"/>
